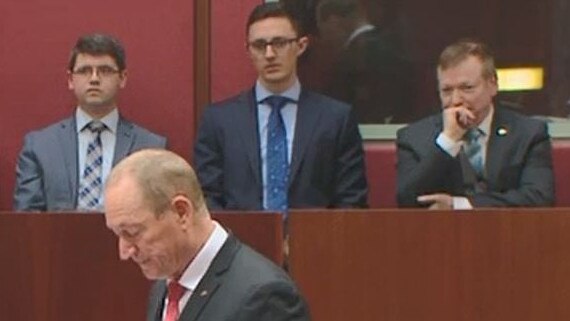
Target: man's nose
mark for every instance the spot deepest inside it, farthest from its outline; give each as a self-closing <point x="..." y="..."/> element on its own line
<point x="95" y="77"/>
<point x="456" y="97"/>
<point x="126" y="249"/>
<point x="269" y="51"/>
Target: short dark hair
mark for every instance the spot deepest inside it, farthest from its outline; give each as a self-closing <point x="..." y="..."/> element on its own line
<point x="272" y="10"/>
<point x="458" y="51"/>
<point x="98" y="45"/>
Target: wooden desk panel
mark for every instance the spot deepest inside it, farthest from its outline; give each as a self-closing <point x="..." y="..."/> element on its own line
<point x="416" y="265"/>
<point x="60" y="267"/>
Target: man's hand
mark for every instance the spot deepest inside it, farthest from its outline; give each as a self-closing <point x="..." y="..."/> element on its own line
<point x="456" y="121"/>
<point x="437" y="201"/>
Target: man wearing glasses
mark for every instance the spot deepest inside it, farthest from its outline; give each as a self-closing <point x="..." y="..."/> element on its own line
<point x="278" y="146"/>
<point x="63" y="167"/>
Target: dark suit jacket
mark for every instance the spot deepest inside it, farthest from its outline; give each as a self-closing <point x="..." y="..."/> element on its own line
<point x="240" y="285"/>
<point x="518" y="163"/>
<point x="374" y="76"/>
<point x="47" y="177"/>
<point x="327" y="165"/>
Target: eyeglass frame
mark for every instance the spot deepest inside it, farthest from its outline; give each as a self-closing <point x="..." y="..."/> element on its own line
<point x="104" y="71"/>
<point x="278" y="44"/>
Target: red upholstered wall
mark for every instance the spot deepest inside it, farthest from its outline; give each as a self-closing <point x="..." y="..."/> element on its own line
<point x="36" y="36"/>
<point x="231" y="69"/>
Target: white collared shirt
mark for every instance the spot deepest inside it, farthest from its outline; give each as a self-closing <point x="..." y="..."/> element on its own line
<point x="199" y="266"/>
<point x="108" y="141"/>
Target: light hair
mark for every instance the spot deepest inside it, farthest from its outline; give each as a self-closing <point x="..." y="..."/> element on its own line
<point x="160" y="175"/>
<point x="459" y="51"/>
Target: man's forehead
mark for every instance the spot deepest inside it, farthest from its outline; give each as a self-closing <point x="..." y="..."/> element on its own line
<point x="123" y="202"/>
<point x="84" y="58"/>
<point x="126" y="215"/>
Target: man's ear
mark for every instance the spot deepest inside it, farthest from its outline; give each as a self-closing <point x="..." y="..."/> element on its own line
<point x="70" y="85"/>
<point x="183" y="208"/>
<point x="303" y="43"/>
<point x="123" y="75"/>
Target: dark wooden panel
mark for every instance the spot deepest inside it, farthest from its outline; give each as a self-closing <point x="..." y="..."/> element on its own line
<point x="66" y="267"/>
<point x="414" y="265"/>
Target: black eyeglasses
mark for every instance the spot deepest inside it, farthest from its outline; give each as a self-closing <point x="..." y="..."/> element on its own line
<point x="101" y="71"/>
<point x="277" y="44"/>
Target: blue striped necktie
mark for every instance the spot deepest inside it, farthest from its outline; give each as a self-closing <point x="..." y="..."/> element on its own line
<point x="91" y="182"/>
<point x="277" y="160"/>
<point x="474" y="150"/>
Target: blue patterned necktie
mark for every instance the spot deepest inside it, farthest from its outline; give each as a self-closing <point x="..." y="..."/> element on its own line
<point x="277" y="161"/>
<point x="91" y="182"/>
<point x="474" y="150"/>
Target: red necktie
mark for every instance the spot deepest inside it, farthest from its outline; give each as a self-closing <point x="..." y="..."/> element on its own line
<point x="175" y="292"/>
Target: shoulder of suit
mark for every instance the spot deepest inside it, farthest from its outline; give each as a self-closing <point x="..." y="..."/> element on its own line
<point x="243" y="98"/>
<point x="422" y="126"/>
<point x="514" y="118"/>
<point x="318" y="100"/>
<point x="139" y="129"/>
<point x="52" y="128"/>
<point x="257" y="266"/>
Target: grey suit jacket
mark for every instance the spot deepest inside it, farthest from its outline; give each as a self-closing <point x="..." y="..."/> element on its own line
<point x="47" y="170"/>
<point x="518" y="165"/>
<point x="327" y="164"/>
<point x="240" y="285"/>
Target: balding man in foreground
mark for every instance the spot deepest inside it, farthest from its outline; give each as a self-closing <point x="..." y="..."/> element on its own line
<point x="155" y="206"/>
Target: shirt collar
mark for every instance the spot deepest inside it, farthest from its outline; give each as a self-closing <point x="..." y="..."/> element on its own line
<point x="292" y="92"/>
<point x="200" y="264"/>
<point x="110" y="120"/>
<point x="357" y="32"/>
<point x="485" y="125"/>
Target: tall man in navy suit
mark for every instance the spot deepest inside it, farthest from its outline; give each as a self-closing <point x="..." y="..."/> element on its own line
<point x="475" y="153"/>
<point x="323" y="155"/>
<point x="155" y="206"/>
<point x="54" y="171"/>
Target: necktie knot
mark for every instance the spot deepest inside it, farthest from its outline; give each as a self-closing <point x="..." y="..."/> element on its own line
<point x="175" y="291"/>
<point x="277" y="102"/>
<point x="473" y="149"/>
<point x="96" y="127"/>
<point x="473" y="134"/>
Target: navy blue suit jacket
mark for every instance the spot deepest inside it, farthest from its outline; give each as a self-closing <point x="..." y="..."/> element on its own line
<point x="327" y="166"/>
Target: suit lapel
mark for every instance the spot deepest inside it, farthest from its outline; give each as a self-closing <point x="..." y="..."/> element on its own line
<point x="500" y="138"/>
<point x="211" y="280"/>
<point x="67" y="139"/>
<point x="245" y="117"/>
<point x="125" y="140"/>
<point x="156" y="304"/>
<point x="308" y="116"/>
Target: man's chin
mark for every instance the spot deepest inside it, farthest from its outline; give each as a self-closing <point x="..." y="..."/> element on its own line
<point x="150" y="274"/>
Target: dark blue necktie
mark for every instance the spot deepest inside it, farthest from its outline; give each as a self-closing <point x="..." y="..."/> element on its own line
<point x="277" y="161"/>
